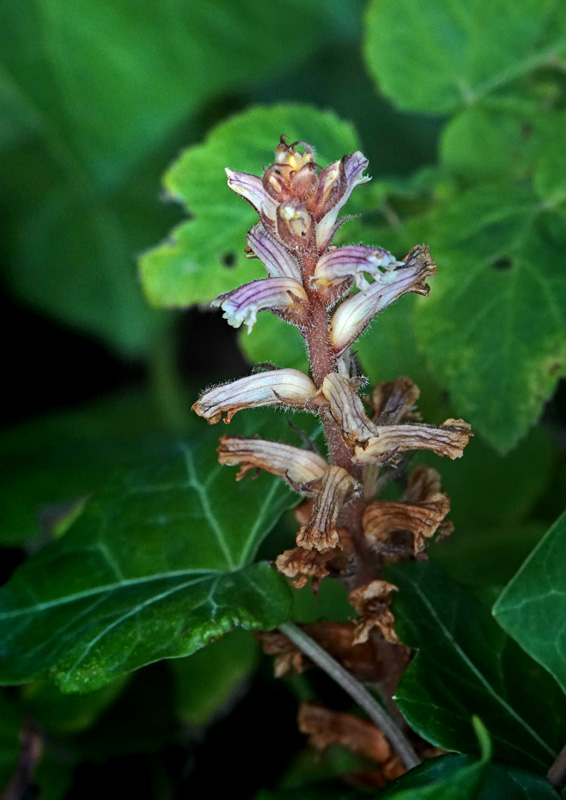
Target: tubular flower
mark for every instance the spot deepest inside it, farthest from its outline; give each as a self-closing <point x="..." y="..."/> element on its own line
<point x="280" y="387"/>
<point x="344" y="530"/>
<point x="320" y="533"/>
<point x="341" y="263"/>
<point x="448" y="439"/>
<point x="355" y="313"/>
<point x="284" y="296"/>
<point x="302" y="469"/>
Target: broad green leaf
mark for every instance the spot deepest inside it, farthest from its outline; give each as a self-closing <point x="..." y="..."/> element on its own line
<point x="158" y="565"/>
<point x="92" y="96"/>
<point x="316" y="791"/>
<point x="205" y="257"/>
<point x="207" y="683"/>
<point x="494" y="326"/>
<point x="116" y="77"/>
<point x="448" y="54"/>
<point x="532" y="606"/>
<point x="466" y="665"/>
<point x="62" y="458"/>
<point x="444" y="778"/>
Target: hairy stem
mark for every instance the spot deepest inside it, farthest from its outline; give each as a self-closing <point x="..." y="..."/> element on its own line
<point x="357" y="692"/>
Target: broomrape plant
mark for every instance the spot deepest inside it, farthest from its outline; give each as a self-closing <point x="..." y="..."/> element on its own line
<point x="331" y="294"/>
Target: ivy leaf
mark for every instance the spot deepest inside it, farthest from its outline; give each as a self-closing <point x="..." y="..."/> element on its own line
<point x="205" y="256"/>
<point x="444" y="778"/>
<point x="494" y="327"/>
<point x="466" y="665"/>
<point x="532" y="606"/>
<point x="452" y="53"/>
<point x="60" y="459"/>
<point x="158" y="564"/>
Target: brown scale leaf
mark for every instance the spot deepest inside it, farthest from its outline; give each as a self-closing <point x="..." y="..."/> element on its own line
<point x="372" y="602"/>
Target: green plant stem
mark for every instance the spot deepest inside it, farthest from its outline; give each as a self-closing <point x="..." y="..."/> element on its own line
<point x="357" y="692"/>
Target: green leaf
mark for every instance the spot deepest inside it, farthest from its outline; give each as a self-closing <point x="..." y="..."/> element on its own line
<point x="466" y="665"/>
<point x="445" y="778"/>
<point x="158" y="565"/>
<point x="452" y="53"/>
<point x="60" y="459"/>
<point x="273" y="341"/>
<point x="208" y="681"/>
<point x="206" y="254"/>
<point x="494" y="326"/>
<point x="532" y="606"/>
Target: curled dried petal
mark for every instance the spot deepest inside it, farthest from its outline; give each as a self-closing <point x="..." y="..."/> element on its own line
<point x="353" y="261"/>
<point x="283" y="295"/>
<point x="347" y="409"/>
<point x="448" y="439"/>
<point x="301" y="564"/>
<point x="336" y="487"/>
<point x="277" y="260"/>
<point x="280" y="387"/>
<point x="392" y="401"/>
<point x="421" y="511"/>
<point x="336" y="184"/>
<point x="355" y="313"/>
<point x="251" y="188"/>
<point x="302" y="469"/>
<point x="372" y="602"/>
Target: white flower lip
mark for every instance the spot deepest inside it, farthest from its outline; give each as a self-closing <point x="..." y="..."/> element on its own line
<point x="277" y="294"/>
<point x="277" y="260"/>
<point x="353" y="261"/>
<point x="302" y="469"/>
<point x="281" y="387"/>
<point x="352" y="316"/>
<point x="251" y="189"/>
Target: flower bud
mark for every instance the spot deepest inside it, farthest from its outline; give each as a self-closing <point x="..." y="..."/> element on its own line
<point x="281" y="387"/>
<point x="294" y="224"/>
<point x="336" y="184"/>
<point x="277" y="260"/>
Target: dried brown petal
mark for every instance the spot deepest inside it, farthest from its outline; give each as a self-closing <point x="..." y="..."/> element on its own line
<point x="302" y="469"/>
<point x="372" y="602"/>
<point x="302" y="564"/>
<point x="325" y="727"/>
<point x="392" y="401"/>
<point x="421" y="511"/>
<point x="336" y="487"/>
<point x="448" y="439"/>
